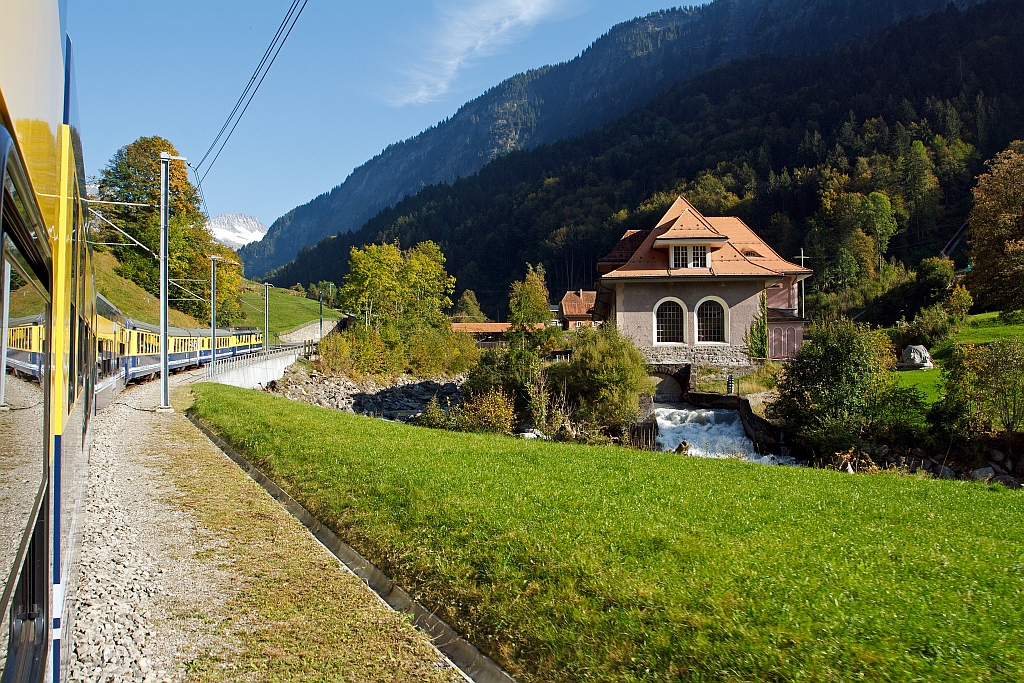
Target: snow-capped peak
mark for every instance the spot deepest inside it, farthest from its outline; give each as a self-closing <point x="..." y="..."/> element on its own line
<point x="236" y="229"/>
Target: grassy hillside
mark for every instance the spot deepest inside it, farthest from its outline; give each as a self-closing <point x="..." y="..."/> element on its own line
<point x="570" y="563"/>
<point x="287" y="312"/>
<point x="980" y="329"/>
<point x="134" y="301"/>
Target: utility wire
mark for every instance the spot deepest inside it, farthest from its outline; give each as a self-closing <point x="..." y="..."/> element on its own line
<point x="138" y="243"/>
<point x="253" y="86"/>
<point x="252" y="79"/>
<point x="199" y="186"/>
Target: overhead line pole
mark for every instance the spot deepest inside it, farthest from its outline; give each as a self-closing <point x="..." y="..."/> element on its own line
<point x="213" y="314"/>
<point x="165" y="400"/>
<point x="803" y="298"/>
<point x="266" y="316"/>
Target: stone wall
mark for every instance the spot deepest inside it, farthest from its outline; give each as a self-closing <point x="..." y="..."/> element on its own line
<point x="308" y="332"/>
<point x="719" y="356"/>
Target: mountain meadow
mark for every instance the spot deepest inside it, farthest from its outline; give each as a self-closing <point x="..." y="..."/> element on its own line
<point x="566" y="562"/>
<point x="794" y="145"/>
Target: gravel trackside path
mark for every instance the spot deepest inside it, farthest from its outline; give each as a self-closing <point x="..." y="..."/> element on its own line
<point x="190" y="571"/>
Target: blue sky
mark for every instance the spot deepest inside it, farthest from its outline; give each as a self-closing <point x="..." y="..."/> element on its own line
<point x="353" y="78"/>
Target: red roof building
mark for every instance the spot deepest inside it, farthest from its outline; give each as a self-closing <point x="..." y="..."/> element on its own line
<point x="688" y="290"/>
<point x="576" y="309"/>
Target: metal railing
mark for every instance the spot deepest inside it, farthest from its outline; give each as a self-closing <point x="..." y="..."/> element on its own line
<point x="227" y="364"/>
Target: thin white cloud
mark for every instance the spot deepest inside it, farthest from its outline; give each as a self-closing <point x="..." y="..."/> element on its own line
<point x="464" y="32"/>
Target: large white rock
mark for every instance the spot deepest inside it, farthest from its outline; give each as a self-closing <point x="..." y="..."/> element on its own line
<point x="916" y="356"/>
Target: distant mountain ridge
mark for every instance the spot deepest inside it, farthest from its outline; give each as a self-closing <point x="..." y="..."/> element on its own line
<point x="759" y="138"/>
<point x="621" y="71"/>
<point x="235" y="230"/>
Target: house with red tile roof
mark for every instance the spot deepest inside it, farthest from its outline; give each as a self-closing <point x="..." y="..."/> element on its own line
<point x="576" y="309"/>
<point x="688" y="290"/>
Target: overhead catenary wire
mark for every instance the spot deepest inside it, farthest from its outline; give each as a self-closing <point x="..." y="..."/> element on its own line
<point x="137" y="243"/>
<point x="252" y="80"/>
<point x="253" y="86"/>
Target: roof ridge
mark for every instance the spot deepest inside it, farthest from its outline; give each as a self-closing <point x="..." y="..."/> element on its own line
<point x="700" y="217"/>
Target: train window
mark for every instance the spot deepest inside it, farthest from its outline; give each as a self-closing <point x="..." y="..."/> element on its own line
<point x="24" y="431"/>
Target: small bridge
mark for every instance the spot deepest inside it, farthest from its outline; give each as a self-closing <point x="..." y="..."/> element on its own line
<point x="672" y="382"/>
<point x="254" y="370"/>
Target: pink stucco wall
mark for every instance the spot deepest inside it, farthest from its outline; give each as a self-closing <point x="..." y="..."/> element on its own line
<point x="635" y="303"/>
<point x="786" y="295"/>
<point x="784" y="339"/>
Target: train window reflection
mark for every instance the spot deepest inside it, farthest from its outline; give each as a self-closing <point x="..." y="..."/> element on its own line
<point x="24" y="339"/>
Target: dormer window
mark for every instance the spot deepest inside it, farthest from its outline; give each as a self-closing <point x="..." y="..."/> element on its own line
<point x="679" y="257"/>
<point x="751" y="254"/>
<point x="700" y="256"/>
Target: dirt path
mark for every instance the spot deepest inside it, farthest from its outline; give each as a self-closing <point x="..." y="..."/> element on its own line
<point x="190" y="571"/>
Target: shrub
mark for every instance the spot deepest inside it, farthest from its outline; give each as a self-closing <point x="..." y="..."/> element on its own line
<point x="364" y="351"/>
<point x="461" y="353"/>
<point x="1011" y="317"/>
<point x="957" y="416"/>
<point x="489" y="412"/>
<point x="376" y="353"/>
<point x="1000" y="377"/>
<point x="335" y="352"/>
<point x="603" y="378"/>
<point x="959" y="304"/>
<point x="936" y="323"/>
<point x="513" y="370"/>
<point x="930" y="326"/>
<point x="426" y="353"/>
<point x="830" y="392"/>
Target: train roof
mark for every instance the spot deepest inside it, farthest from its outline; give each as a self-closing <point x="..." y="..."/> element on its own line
<point x="108" y="310"/>
<point x="133" y="324"/>
<point x="36" y="319"/>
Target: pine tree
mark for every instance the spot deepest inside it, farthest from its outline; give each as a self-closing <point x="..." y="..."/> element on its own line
<point x="467" y="310"/>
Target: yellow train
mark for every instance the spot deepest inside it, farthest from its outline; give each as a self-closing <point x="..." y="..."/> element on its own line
<point x="65" y="351"/>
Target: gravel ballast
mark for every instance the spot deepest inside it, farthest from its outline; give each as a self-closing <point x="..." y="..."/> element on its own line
<point x="191" y="571"/>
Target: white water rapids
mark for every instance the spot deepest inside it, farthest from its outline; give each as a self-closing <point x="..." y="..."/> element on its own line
<point x="709" y="434"/>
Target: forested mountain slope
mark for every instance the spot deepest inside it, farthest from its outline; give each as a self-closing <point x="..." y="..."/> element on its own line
<point x="786" y="143"/>
<point x="622" y="70"/>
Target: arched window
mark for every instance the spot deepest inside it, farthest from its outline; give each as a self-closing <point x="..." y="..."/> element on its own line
<point x="710" y="322"/>
<point x="670" y="322"/>
<point x="778" y="344"/>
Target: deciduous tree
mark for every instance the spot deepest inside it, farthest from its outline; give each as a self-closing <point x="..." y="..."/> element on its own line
<point x="528" y="300"/>
<point x="133" y="176"/>
<point x="997" y="231"/>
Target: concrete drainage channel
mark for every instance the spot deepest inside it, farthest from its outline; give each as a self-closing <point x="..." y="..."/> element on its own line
<point x="475" y="665"/>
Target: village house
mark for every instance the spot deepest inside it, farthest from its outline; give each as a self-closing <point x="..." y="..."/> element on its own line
<point x="576" y="309"/>
<point x="688" y="290"/>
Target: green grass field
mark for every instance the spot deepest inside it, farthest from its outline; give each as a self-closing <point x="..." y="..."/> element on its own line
<point x="572" y="563"/>
<point x="287" y="312"/>
<point x="928" y="381"/>
<point x="983" y="328"/>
